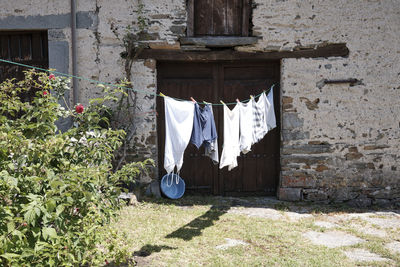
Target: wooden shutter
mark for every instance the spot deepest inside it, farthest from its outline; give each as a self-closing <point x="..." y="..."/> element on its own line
<point x="218" y="18"/>
<point x="30" y="48"/>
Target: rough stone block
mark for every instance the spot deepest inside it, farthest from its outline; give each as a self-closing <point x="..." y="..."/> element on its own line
<point x="289" y="194"/>
<point x="307" y="149"/>
<point x="361" y="202"/>
<point x="291" y="121"/>
<point x="382" y="202"/>
<point x="290" y="135"/>
<point x="314" y="195"/>
<point x="154" y="189"/>
<point x="298" y="179"/>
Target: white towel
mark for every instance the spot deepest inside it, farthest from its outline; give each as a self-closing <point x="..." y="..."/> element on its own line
<point x="270" y="111"/>
<point x="231" y="149"/>
<point x="260" y="128"/>
<point x="246" y="126"/>
<point x="178" y="129"/>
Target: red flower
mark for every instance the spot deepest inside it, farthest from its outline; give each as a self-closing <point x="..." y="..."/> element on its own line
<point x="45" y="93"/>
<point x="106" y="261"/>
<point x="79" y="108"/>
<point x="52" y="77"/>
<point x="24" y="224"/>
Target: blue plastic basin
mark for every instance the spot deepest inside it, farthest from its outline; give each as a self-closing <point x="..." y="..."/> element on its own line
<point x="170" y="188"/>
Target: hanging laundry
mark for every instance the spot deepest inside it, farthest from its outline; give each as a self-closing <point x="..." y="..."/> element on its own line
<point x="246" y="126"/>
<point x="231" y="149"/>
<point x="270" y="110"/>
<point x="178" y="129"/>
<point x="204" y="131"/>
<point x="259" y="118"/>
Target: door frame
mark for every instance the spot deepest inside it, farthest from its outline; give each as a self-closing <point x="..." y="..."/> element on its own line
<point x="218" y="184"/>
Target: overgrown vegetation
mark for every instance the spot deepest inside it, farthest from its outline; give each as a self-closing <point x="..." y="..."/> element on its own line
<point x="57" y="189"/>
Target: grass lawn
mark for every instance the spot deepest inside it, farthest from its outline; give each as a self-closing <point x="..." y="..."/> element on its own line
<point x="187" y="232"/>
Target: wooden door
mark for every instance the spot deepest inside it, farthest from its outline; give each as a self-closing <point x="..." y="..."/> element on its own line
<point x="258" y="170"/>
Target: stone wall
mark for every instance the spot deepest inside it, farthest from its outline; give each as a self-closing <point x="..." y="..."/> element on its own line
<point x="339" y="142"/>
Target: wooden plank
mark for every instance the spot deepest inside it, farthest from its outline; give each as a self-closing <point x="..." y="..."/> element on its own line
<point x="190" y="19"/>
<point x="36" y="46"/>
<point x="233" y="18"/>
<point x="203" y="20"/>
<point x="245" y="18"/>
<point x="218" y="41"/>
<point x="5" y="51"/>
<point x="15" y="49"/>
<point x="331" y="50"/>
<point x="218" y="181"/>
<point x="219" y="17"/>
<point x="26" y="47"/>
<point x="45" y="44"/>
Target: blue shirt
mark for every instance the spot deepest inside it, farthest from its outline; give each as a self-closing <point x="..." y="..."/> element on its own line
<point x="204" y="130"/>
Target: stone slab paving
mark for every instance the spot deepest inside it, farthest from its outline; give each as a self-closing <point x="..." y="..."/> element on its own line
<point x="359" y="254"/>
<point x="369" y="230"/>
<point x="325" y="224"/>
<point x="393" y="247"/>
<point x="295" y="216"/>
<point x="332" y="239"/>
<point x="231" y="243"/>
<point x="392" y="222"/>
<point x="259" y="212"/>
<point x="269" y="213"/>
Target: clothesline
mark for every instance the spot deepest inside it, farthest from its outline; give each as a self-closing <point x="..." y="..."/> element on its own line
<point x="120" y="86"/>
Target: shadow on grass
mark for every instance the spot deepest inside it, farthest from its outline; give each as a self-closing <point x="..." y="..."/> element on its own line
<point x="195" y="227"/>
<point x="224" y="203"/>
<point x="148" y="249"/>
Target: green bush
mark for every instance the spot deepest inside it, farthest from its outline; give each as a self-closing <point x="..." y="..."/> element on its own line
<point x="56" y="189"/>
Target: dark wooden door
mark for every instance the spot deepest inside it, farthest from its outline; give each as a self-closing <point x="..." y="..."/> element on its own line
<point x="258" y="170"/>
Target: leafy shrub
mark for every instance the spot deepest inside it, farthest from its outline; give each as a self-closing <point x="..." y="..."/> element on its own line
<point x="56" y="189"/>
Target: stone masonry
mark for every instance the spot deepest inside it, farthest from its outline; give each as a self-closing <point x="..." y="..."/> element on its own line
<point x="339" y="142"/>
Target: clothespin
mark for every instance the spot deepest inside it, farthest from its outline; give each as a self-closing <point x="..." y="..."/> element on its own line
<point x="161" y="94"/>
<point x="251" y="96"/>
<point x="237" y="100"/>
<point x="222" y="102"/>
<point x="191" y="98"/>
<point x="205" y="103"/>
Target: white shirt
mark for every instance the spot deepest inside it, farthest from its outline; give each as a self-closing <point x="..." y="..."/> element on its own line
<point x="178" y="129"/>
<point x="231" y="149"/>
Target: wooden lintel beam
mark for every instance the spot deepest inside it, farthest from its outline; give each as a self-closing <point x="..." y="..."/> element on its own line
<point x="330" y="50"/>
